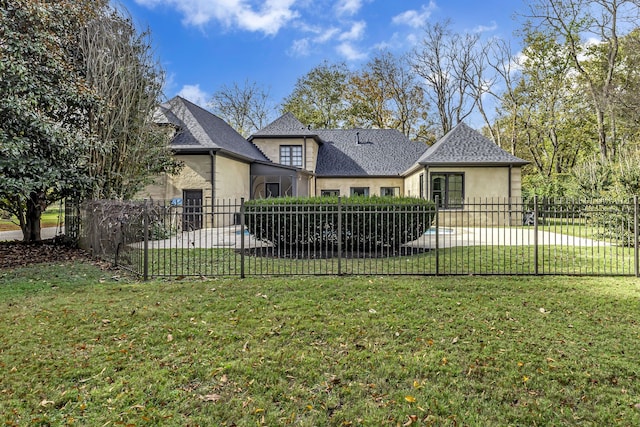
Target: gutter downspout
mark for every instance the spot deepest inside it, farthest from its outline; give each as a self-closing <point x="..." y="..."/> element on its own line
<point x="510" y="195"/>
<point x="510" y="185"/>
<point x="426" y="185"/>
<point x="213" y="176"/>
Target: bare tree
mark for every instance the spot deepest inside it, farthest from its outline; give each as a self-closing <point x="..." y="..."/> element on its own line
<point x="246" y="108"/>
<point x="505" y="68"/>
<point x="127" y="151"/>
<point x="444" y="61"/>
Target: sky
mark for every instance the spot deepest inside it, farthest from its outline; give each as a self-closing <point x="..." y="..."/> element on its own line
<point x="205" y="45"/>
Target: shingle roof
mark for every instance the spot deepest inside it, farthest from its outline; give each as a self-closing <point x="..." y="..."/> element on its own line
<point x="286" y="125"/>
<point x="361" y="152"/>
<point x="465" y="146"/>
<point x="200" y="129"/>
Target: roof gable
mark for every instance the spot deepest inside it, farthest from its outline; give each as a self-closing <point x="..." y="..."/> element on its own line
<point x="286" y="125"/>
<point x="200" y="129"/>
<point x="463" y="145"/>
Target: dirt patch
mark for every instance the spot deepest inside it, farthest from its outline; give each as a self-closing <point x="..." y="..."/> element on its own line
<point x="20" y="254"/>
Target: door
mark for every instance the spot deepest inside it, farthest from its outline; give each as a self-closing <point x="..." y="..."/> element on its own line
<point x="192" y="210"/>
<point x="273" y="189"/>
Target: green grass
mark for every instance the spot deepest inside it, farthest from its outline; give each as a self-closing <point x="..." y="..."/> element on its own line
<point x="52" y="217"/>
<point x="78" y="346"/>
<point x="603" y="260"/>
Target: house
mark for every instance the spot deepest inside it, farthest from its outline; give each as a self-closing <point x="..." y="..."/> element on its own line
<point x="342" y="162"/>
<point x="219" y="164"/>
<point x="287" y="158"/>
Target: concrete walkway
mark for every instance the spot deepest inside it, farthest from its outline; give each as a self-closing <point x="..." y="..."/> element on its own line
<point x="501" y="236"/>
<point x="231" y="237"/>
<point x="45" y="233"/>
<point x="222" y="237"/>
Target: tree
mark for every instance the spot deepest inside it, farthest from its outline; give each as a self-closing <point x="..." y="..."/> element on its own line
<point x="245" y="108"/>
<point x="127" y="149"/>
<point x="571" y="21"/>
<point x="318" y="98"/>
<point x="385" y="94"/>
<point x="43" y="131"/>
<point x="550" y="107"/>
<point x="444" y="59"/>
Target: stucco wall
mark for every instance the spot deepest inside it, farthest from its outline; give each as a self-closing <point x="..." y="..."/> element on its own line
<point x="345" y="184"/>
<point x="484" y="186"/>
<point x="271" y="148"/>
<point x="412" y="184"/>
<point x="232" y="178"/>
<point x="195" y="175"/>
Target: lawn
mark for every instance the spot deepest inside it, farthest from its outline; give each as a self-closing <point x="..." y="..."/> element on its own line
<point x="603" y="260"/>
<point x="52" y="217"/>
<point x="88" y="347"/>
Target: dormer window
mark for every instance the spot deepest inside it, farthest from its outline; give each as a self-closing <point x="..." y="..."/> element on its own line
<point x="291" y="155"/>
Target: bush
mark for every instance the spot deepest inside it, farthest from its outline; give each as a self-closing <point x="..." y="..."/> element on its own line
<point x="358" y="223"/>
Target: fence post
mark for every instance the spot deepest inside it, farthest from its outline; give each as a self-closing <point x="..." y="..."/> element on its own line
<point x="242" y="226"/>
<point x="145" y="222"/>
<point x="437" y="237"/>
<point x="339" y="235"/>
<point x="535" y="235"/>
<point x="635" y="237"/>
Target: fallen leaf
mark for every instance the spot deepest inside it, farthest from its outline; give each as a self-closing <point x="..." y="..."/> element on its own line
<point x="410" y="399"/>
<point x="46" y="402"/>
<point x="455" y="340"/>
<point x="211" y="397"/>
<point x="169" y="338"/>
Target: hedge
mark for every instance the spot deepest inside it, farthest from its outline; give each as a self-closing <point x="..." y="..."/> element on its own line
<point x="358" y="222"/>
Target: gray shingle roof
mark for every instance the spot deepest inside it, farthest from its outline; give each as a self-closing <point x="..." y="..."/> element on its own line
<point x="198" y="129"/>
<point x="464" y="146"/>
<point x="381" y="152"/>
<point x="286" y="125"/>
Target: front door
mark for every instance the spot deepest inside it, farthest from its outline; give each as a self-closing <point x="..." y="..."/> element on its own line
<point x="192" y="210"/>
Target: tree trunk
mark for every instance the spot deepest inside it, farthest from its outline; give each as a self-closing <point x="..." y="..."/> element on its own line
<point x="35" y="206"/>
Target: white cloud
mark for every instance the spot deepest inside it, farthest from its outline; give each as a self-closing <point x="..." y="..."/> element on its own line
<point x="348" y="7"/>
<point x="415" y="18"/>
<point x="355" y="33"/>
<point x="486" y="28"/>
<point x="300" y="48"/>
<point x="326" y="35"/>
<point x="267" y="16"/>
<point x="349" y="52"/>
<point x="194" y="94"/>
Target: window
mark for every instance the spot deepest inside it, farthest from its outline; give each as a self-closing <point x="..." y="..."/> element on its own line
<point x="291" y="155"/>
<point x="422" y="186"/>
<point x="359" y="191"/>
<point x="448" y="189"/>
<point x="390" y="191"/>
<point x="329" y="193"/>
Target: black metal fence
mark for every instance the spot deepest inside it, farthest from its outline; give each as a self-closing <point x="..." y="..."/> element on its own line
<point x="485" y="237"/>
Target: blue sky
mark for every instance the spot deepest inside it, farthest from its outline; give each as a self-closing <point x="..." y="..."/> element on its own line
<point x="205" y="44"/>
